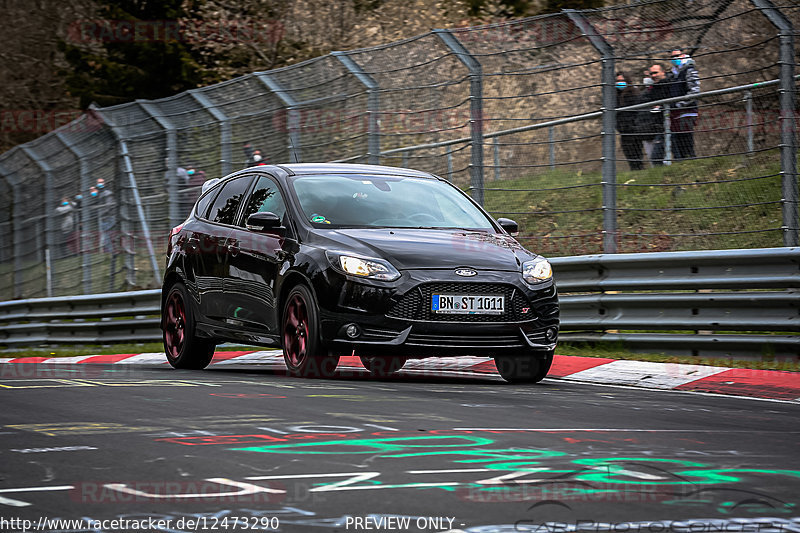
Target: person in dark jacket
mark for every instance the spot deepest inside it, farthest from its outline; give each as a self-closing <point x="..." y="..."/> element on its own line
<point x="662" y="88"/>
<point x="628" y="94"/>
<point x="686" y="82"/>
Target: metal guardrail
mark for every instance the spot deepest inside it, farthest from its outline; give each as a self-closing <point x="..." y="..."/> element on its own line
<point x="89" y="319"/>
<point x="724" y="303"/>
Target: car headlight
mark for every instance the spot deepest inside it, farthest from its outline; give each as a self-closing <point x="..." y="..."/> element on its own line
<point x="364" y="267"/>
<point x="536" y="270"/>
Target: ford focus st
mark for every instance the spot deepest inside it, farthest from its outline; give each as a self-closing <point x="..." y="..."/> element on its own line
<point x="326" y="260"/>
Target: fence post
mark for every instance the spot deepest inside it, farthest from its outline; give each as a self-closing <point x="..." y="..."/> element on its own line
<point x="292" y="106"/>
<point x="787" y="91"/>
<point x="16" y="224"/>
<point x="667" y="135"/>
<point x="83" y="213"/>
<point x="608" y="80"/>
<point x="49" y="206"/>
<point x="224" y="127"/>
<point x="496" y="146"/>
<point x="127" y="167"/>
<point x="171" y="174"/>
<point x="449" y="164"/>
<point x="475" y="109"/>
<point x="373" y="105"/>
<point x="748" y="106"/>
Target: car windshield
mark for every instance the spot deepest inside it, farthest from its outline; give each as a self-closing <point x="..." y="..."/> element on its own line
<point x="385" y="201"/>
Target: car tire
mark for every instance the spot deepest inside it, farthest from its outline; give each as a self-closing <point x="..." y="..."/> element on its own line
<point x="524" y="369"/>
<point x="184" y="349"/>
<point x="382" y="366"/>
<point x="303" y="349"/>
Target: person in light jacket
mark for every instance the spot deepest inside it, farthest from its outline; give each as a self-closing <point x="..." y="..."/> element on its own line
<point x="686" y="81"/>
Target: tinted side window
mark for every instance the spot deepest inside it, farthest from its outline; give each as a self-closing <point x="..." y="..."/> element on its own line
<point x="266" y="197"/>
<point x="227" y="203"/>
<point x="202" y="205"/>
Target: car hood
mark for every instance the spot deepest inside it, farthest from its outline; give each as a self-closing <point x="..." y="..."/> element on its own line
<point x="410" y="249"/>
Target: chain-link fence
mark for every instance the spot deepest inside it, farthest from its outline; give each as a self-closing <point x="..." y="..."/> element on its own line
<point x="522" y="114"/>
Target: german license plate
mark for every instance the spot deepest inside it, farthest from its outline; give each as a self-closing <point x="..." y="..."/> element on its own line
<point x="467" y="304"/>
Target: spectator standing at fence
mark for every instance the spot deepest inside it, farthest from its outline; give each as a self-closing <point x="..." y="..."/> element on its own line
<point x="649" y="133"/>
<point x="66" y="222"/>
<point x="247" y="148"/>
<point x="662" y="88"/>
<point x="686" y="81"/>
<point x="106" y="214"/>
<point x="631" y="142"/>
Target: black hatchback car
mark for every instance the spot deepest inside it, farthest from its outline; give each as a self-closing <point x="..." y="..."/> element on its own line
<point x="327" y="260"/>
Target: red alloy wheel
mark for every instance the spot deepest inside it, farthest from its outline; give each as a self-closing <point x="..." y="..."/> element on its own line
<point x="295" y="331"/>
<point x="175" y="324"/>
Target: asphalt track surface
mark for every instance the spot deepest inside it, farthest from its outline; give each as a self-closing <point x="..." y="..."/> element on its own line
<point x="243" y="448"/>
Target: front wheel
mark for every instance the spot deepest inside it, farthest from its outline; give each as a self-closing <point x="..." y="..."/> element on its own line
<point x="303" y="350"/>
<point x="183" y="347"/>
<point x="524" y="369"/>
<point x="382" y="366"/>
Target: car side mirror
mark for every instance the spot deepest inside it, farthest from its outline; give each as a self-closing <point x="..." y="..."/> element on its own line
<point x="511" y="227"/>
<point x="263" y="222"/>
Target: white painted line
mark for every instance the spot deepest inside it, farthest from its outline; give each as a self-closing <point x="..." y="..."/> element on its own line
<point x="38" y="489"/>
<point x="645" y="374"/>
<point x="13" y="503"/>
<point x="266" y="356"/>
<point x="67" y="360"/>
<point x="153" y="357"/>
<point x="444" y="363"/>
<point x="454" y="471"/>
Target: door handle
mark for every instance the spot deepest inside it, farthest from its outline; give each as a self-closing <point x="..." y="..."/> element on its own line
<point x="233" y="248"/>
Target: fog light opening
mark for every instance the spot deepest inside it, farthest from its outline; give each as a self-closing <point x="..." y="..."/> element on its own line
<point x="352" y="331"/>
<point x="551" y="334"/>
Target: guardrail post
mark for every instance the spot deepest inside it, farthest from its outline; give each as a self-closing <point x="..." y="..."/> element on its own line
<point x="83" y="213"/>
<point x="49" y="208"/>
<point x="224" y="127"/>
<point x="373" y="105"/>
<point x="475" y="110"/>
<point x="127" y="168"/>
<point x="171" y="174"/>
<point x="786" y="60"/>
<point x="292" y="107"/>
<point x="608" y="80"/>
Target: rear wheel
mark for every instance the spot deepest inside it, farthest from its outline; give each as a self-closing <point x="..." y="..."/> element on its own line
<point x="181" y="344"/>
<point x="524" y="369"/>
<point x="382" y="366"/>
<point x="303" y="350"/>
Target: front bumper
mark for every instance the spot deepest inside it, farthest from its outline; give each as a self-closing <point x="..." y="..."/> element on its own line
<point x="395" y="318"/>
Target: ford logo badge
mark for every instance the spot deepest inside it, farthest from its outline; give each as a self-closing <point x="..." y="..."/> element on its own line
<point x="466" y="272"/>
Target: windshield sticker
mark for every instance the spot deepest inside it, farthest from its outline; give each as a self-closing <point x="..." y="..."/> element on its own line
<point x="319" y="219"/>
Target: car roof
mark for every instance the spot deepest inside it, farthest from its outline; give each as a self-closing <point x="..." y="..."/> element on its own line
<point x="347" y="168"/>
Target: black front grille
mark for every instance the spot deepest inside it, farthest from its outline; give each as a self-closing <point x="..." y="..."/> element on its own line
<point x="416" y="304"/>
<point x="505" y="341"/>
